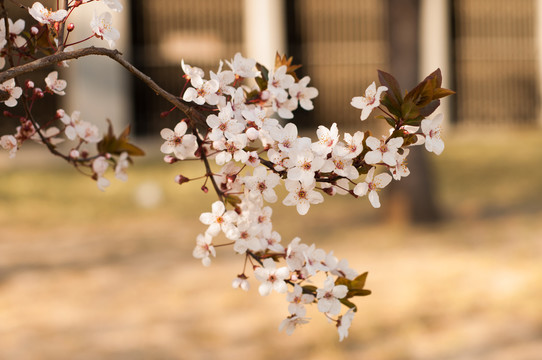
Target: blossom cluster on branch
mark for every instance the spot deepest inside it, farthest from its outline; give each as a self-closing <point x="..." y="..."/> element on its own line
<point x="235" y="122"/>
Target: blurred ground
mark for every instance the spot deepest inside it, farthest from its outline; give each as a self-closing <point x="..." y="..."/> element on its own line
<point x="91" y="275"/>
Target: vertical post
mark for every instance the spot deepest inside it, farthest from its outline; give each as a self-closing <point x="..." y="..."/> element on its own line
<point x="412" y="199"/>
<point x="435" y="42"/>
<point x="97" y="86"/>
<point x="264" y="30"/>
<point x="538" y="37"/>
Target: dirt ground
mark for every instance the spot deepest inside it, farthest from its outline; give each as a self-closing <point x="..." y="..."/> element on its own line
<point x="95" y="282"/>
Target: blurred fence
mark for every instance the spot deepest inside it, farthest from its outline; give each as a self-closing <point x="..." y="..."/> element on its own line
<point x="341" y="44"/>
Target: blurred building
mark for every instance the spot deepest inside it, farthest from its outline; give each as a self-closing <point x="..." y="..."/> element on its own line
<point x="488" y="51"/>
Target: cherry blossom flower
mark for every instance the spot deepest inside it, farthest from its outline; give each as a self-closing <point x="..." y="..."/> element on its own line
<point x="191" y="71"/>
<point x="295" y="257"/>
<point x="352" y="146"/>
<point x="291" y="322"/>
<point x="344" y="322"/>
<point x="339" y="268"/>
<point x="298" y="300"/>
<point x="341" y="167"/>
<point x="46" y="16"/>
<point x="122" y="164"/>
<point x="301" y="196"/>
<point x="328" y="297"/>
<point x="302" y="166"/>
<point x="220" y="219"/>
<point x="202" y="91"/>
<point x="232" y="149"/>
<point x="372" y="185"/>
<point x="272" y="242"/>
<point x="15" y="28"/>
<point x="223" y="123"/>
<point x="9" y="143"/>
<point x="240" y="282"/>
<point x="400" y="169"/>
<point x="180" y="143"/>
<point x="370" y="101"/>
<point x="431" y="129"/>
<point x="271" y="278"/>
<point x="102" y="27"/>
<point x="55" y="84"/>
<point x="283" y="105"/>
<point x="262" y="183"/>
<point x="14" y="92"/>
<point x="204" y="248"/>
<point x="77" y="128"/>
<point x="279" y="81"/>
<point x="303" y="94"/>
<point x="327" y="139"/>
<point x="382" y="151"/>
<point x="243" y="67"/>
<point x="99" y="166"/>
<point x="114" y="5"/>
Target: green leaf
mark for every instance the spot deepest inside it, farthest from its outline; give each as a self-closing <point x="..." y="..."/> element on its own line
<point x="116" y="146"/>
<point x="263" y="70"/>
<point x="349" y="304"/>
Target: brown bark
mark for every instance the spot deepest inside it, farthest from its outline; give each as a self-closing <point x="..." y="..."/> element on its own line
<point x="412" y="198"/>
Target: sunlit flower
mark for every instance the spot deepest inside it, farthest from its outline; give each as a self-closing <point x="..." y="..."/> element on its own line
<point x="271" y="278"/>
<point x="372" y="185"/>
<point x="102" y="26"/>
<point x="370" y="101"/>
<point x="431" y="129"/>
<point x="328" y="297"/>
<point x="46" y="16"/>
<point x="204" y="248"/>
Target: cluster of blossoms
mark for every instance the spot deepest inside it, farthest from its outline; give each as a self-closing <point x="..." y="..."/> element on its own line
<point x="257" y="152"/>
<point x="18" y="44"/>
<point x="243" y="129"/>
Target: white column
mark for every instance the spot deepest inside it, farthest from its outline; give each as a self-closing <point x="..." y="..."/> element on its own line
<point x="264" y="30"/>
<point x="538" y="40"/>
<point x="435" y="44"/>
<point x="97" y="85"/>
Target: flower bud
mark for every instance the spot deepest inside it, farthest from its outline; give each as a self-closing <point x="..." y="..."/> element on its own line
<point x="180" y="179"/>
<point x="74" y="153"/>
<point x="38" y="93"/>
<point x="34" y="30"/>
<point x="29" y="84"/>
<point x="205" y="189"/>
<point x="70" y="27"/>
<point x="7" y="113"/>
<point x="60" y="114"/>
<point x="170" y="159"/>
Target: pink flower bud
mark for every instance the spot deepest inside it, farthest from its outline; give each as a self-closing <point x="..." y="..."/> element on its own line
<point x="34" y="30"/>
<point x="204" y="189"/>
<point x="70" y="27"/>
<point x="170" y="159"/>
<point x="180" y="179"/>
<point x="38" y="93"/>
<point x="60" y="113"/>
<point x="29" y="84"/>
<point x="74" y="154"/>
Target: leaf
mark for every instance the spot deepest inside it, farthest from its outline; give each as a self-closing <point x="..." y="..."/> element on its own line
<point x="430" y="108"/>
<point x="116" y="146"/>
<point x="290" y="69"/>
<point x="232" y="200"/>
<point x="349" y="304"/>
<point x="394" y="90"/>
<point x="390" y="121"/>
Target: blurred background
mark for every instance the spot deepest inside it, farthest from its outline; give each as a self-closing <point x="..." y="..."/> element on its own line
<point x="454" y="254"/>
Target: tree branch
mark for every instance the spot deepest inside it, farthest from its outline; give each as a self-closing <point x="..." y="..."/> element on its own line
<point x="115" y="55"/>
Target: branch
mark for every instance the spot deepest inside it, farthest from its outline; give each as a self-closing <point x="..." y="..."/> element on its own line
<point x="116" y="56"/>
